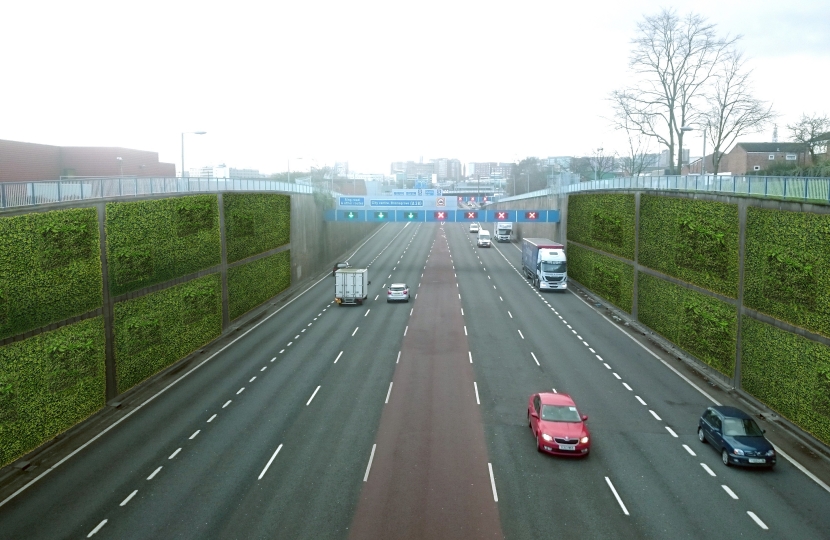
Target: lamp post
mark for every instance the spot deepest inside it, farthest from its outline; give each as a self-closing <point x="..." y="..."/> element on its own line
<point x="188" y="133"/>
<point x="703" y="160"/>
<point x="596" y="165"/>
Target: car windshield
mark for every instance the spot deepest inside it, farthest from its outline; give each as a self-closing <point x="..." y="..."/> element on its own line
<point x="557" y="267"/>
<point x="738" y="427"/>
<point x="398" y="289"/>
<point x="560" y="413"/>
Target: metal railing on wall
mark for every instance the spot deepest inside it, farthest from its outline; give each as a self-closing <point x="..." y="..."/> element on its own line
<point x="18" y="194"/>
<point x="816" y="190"/>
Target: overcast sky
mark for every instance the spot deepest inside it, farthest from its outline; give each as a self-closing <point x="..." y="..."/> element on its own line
<point x="364" y="82"/>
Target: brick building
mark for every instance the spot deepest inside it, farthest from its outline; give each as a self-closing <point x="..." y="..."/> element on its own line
<point x="26" y="162"/>
<point x="746" y="158"/>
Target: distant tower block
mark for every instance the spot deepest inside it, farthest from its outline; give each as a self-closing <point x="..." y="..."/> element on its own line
<point x="775" y="133"/>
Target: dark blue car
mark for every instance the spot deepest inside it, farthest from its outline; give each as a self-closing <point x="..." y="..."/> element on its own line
<point x="736" y="436"/>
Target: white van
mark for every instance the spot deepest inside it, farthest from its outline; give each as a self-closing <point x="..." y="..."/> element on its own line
<point x="483" y="238"/>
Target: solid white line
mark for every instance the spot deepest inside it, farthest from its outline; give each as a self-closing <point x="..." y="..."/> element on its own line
<point x="399" y="357"/>
<point x="312" y="396"/>
<point x="534" y="359"/>
<point x="670" y="430"/>
<point x="174" y="453"/>
<point x="617" y="376"/>
<point x="338" y="357"/>
<point x="520" y="333"/>
<point x="211" y="418"/>
<point x="269" y="462"/>
<point x="194" y="434"/>
<point x="654" y="414"/>
<point x="130" y="496"/>
<point x="355" y="331"/>
<point x="627" y="387"/>
<point x="154" y="474"/>
<point x="801" y="468"/>
<point x="227" y="403"/>
<point x="369" y="466"/>
<point x="405" y="330"/>
<point x="729" y="491"/>
<point x="755" y="518"/>
<point x="388" y="392"/>
<point x="689" y="450"/>
<point x="493" y="482"/>
<point x="368" y="310"/>
<point x="475" y="385"/>
<point x="616" y="495"/>
<point x="240" y="390"/>
<point x="511" y="315"/>
<point x="707" y="469"/>
<point x="96" y="529"/>
<point x="470" y="354"/>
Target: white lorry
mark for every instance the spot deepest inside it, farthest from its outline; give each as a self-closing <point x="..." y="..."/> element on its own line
<point x="351" y="285"/>
<point x="544" y="263"/>
<point x="503" y="231"/>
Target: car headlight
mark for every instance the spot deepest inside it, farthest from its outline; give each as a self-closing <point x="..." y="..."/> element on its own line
<point x="547" y="437"/>
<point x="738" y="452"/>
<point x="583" y="440"/>
<point x="770" y="453"/>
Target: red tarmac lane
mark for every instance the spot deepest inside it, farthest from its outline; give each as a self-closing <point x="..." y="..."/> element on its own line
<point x="429" y="477"/>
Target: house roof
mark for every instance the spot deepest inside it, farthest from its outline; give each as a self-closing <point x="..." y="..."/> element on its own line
<point x="765" y="147"/>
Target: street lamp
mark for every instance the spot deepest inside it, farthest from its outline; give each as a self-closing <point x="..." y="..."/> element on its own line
<point x="188" y="133"/>
<point x="702" y="161"/>
<point x="596" y="165"/>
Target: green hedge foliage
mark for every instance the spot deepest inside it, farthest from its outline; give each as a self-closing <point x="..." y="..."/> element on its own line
<point x="610" y="278"/>
<point x="696" y="241"/>
<point x="251" y="284"/>
<point x="50" y="268"/>
<point x="255" y="223"/>
<point x="155" y="330"/>
<point x="149" y="242"/>
<point x="787" y="267"/>
<point x="789" y="373"/>
<point x="702" y="325"/>
<point x="603" y="221"/>
<point x="48" y="383"/>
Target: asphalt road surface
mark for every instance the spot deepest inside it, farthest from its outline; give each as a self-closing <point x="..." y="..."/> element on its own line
<point x="409" y="421"/>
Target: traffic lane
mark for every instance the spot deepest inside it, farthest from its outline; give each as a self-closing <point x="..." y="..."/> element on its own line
<point x="210" y="472"/>
<point x="429" y="473"/>
<point x="574" y="348"/>
<point x="680" y="405"/>
<point x="73" y="492"/>
<point x="508" y="376"/>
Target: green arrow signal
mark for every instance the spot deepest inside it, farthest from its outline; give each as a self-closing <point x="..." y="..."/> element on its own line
<point x="351" y="215"/>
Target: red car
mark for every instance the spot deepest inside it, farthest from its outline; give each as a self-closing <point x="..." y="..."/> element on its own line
<point x="557" y="425"/>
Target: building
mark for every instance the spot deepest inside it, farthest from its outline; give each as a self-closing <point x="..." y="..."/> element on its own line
<point x="413" y="172"/>
<point x="447" y="169"/>
<point x="490" y="169"/>
<point x="750" y="157"/>
<point x="341" y="168"/>
<point x="27" y="162"/>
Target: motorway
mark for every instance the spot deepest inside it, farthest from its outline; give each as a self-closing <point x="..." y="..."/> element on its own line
<point x="409" y="421"/>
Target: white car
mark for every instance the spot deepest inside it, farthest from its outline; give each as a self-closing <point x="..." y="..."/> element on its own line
<point x="474" y="228"/>
<point x="397" y="292"/>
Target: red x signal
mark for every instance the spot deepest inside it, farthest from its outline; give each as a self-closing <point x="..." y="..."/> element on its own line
<point x="531" y="215"/>
<point x="440" y="215"/>
<point x="472" y="215"/>
<point x="501" y="215"/>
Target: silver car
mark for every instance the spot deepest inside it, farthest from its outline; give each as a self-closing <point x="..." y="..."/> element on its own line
<point x="397" y="292"/>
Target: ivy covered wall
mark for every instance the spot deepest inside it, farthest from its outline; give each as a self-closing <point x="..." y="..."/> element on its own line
<point x="604" y="221"/>
<point x="608" y="277"/>
<point x="50" y="268"/>
<point x="255" y="223"/>
<point x="251" y="284"/>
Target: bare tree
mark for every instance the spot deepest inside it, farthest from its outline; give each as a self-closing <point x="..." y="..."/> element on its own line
<point x="638" y="157"/>
<point x="733" y="111"/>
<point x="600" y="163"/>
<point x="673" y="58"/>
<point x="812" y="131"/>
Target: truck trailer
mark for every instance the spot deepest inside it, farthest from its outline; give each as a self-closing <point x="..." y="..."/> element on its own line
<point x="504" y="229"/>
<point x="351" y="285"/>
<point x="545" y="264"/>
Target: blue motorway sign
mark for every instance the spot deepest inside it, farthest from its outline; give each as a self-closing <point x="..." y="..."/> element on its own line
<point x="409" y="215"/>
<point x="397" y="202"/>
<point x="421" y="214"/>
<point x="352" y="201"/>
<point x="380" y="216"/>
<point x="469" y="215"/>
<point x="404" y="192"/>
<point x="441" y="215"/>
<point x="351" y="215"/>
<point x="501" y="215"/>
